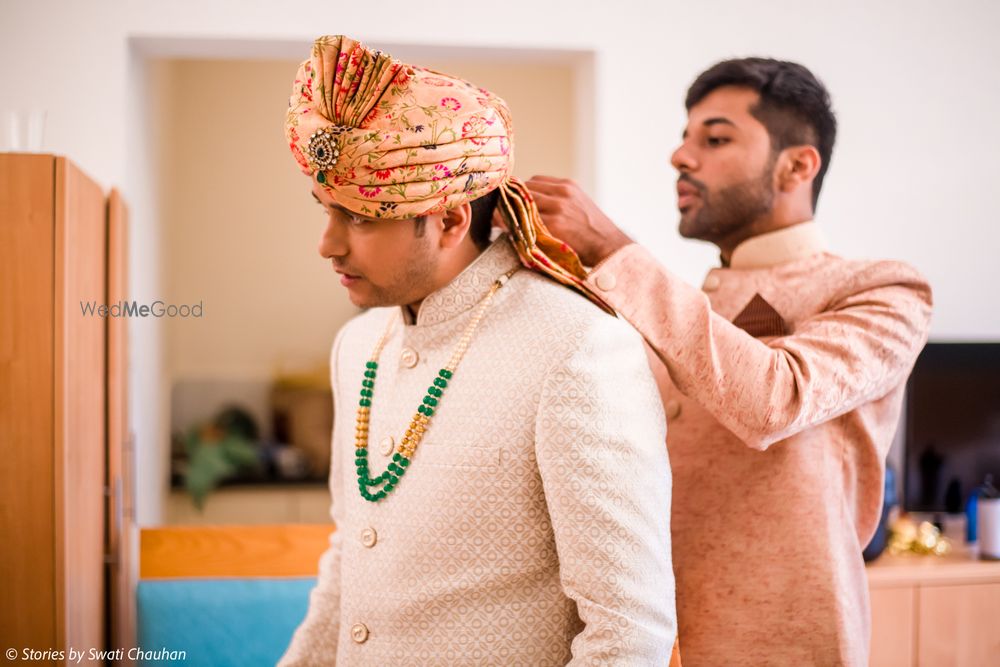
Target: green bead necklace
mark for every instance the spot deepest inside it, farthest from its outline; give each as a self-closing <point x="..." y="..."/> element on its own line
<point x="420" y="422"/>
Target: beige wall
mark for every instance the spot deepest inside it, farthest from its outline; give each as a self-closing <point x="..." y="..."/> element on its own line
<point x="240" y="229"/>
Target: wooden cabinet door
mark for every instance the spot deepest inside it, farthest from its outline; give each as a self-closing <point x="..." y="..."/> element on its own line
<point x="893" y="632"/>
<point x="122" y="537"/>
<point x="959" y="625"/>
<point x="27" y="485"/>
<point x="80" y="254"/>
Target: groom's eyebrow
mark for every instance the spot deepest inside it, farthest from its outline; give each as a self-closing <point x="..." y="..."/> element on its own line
<point x="337" y="207"/>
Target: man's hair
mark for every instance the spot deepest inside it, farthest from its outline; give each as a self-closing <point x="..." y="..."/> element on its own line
<point x="794" y="106"/>
<point x="482" y="217"/>
<point x="481" y="225"/>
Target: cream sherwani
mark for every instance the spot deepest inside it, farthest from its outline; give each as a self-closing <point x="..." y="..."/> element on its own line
<point x="782" y="379"/>
<point x="532" y="527"/>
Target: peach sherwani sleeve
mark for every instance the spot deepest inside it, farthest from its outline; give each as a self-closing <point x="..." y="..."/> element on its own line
<point x="857" y="349"/>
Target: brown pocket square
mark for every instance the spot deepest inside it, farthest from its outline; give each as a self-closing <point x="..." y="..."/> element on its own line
<point x="760" y="319"/>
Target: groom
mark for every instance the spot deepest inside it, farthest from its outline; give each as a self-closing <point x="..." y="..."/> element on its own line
<point x="500" y="488"/>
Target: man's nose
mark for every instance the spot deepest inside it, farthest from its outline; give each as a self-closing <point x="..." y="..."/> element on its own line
<point x="333" y="241"/>
<point x="683" y="160"/>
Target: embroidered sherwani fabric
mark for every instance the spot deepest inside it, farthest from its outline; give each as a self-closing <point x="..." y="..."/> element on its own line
<point x="532" y="525"/>
<point x="778" y="443"/>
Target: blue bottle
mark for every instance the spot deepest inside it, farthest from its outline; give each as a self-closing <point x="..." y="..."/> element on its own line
<point x="971" y="505"/>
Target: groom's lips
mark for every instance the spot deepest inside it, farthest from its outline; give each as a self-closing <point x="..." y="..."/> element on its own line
<point x="348" y="279"/>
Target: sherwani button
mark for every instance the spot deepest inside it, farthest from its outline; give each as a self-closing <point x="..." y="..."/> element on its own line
<point x="386" y="445"/>
<point x="606" y="281"/>
<point x="369" y="537"/>
<point x="359" y="633"/>
<point x="409" y="357"/>
<point x="712" y="283"/>
<point x="673" y="408"/>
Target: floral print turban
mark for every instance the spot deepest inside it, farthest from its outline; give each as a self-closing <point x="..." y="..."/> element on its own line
<point x="397" y="141"/>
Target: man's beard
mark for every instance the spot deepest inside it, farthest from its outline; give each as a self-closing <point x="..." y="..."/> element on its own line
<point x="411" y="282"/>
<point x="732" y="208"/>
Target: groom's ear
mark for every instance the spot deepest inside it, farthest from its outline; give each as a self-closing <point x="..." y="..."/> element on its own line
<point x="455" y="224"/>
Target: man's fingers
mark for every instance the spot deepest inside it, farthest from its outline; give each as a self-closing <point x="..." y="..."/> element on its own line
<point x="549" y="188"/>
<point x="545" y="203"/>
<point x="542" y="178"/>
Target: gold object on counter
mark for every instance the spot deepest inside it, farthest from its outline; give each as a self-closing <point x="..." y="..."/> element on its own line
<point x="910" y="537"/>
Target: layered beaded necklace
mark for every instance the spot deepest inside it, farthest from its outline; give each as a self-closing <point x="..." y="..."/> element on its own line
<point x="421" y="419"/>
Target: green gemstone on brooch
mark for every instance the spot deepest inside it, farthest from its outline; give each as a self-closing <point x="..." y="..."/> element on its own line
<point x="321" y="177"/>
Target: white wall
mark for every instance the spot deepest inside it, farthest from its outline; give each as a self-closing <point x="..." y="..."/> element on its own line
<point x="916" y="86"/>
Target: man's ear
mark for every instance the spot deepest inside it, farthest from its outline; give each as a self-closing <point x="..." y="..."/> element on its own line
<point x="455" y="224"/>
<point x="798" y="165"/>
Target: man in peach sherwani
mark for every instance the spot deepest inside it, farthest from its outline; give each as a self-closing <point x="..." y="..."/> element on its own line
<point x="782" y="377"/>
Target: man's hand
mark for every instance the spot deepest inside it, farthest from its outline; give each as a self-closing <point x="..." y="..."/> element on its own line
<point x="573" y="217"/>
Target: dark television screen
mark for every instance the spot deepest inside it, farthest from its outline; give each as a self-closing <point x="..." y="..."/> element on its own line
<point x="952" y="425"/>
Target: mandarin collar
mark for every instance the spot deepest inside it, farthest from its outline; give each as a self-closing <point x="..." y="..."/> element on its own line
<point x="469" y="287"/>
<point x="783" y="245"/>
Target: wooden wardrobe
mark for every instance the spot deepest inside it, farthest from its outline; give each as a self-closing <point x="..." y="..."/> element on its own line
<point x="66" y="518"/>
